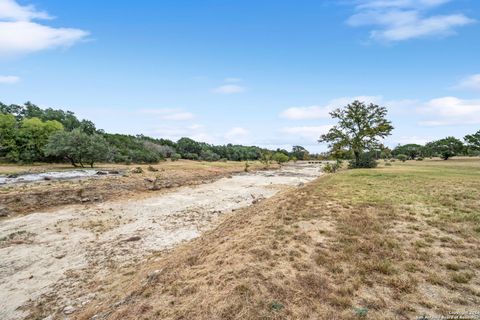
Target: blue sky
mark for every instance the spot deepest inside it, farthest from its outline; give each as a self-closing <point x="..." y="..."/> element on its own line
<point x="253" y="72"/>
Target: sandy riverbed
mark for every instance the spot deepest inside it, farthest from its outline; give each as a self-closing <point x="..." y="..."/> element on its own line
<point x="56" y="253"/>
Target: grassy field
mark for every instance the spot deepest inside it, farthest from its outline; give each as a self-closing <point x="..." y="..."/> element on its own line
<point x="395" y="242"/>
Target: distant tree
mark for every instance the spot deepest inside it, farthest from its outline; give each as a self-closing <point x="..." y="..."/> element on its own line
<point x="266" y="158"/>
<point x="280" y="157"/>
<point x="446" y="148"/>
<point x="411" y="150"/>
<point x="8" y="136"/>
<point x="473" y="141"/>
<point x="187" y="145"/>
<point x="402" y="157"/>
<point x="300" y="153"/>
<point x="359" y="128"/>
<point x="33" y="135"/>
<point x="78" y="147"/>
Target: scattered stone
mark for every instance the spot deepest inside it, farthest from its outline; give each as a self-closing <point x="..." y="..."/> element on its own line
<point x="59" y="256"/>
<point x="47" y="178"/>
<point x="133" y="238"/>
<point x="102" y="173"/>
<point x="114" y="172"/>
<point x="12" y="176"/>
<point x="153" y="169"/>
<point x="3" y="212"/>
<point x="137" y="170"/>
<point x="69" y="310"/>
<point x="301" y="184"/>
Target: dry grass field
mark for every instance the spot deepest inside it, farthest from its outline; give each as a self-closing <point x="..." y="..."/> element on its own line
<point x="395" y="242"/>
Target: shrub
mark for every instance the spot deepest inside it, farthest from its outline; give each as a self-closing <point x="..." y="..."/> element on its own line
<point x="190" y="156"/>
<point x="332" y="167"/>
<point x="388" y="164"/>
<point x="419" y="159"/>
<point x="402" y="157"/>
<point x="280" y="157"/>
<point x="366" y="160"/>
<point x="175" y="157"/>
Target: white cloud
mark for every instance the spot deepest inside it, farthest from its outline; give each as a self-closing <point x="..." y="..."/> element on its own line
<point x="9" y="79"/>
<point x="322" y="112"/>
<point x="174" y="133"/>
<point x="450" y="111"/>
<point x="229" y="89"/>
<point x="20" y="35"/>
<point x="470" y="83"/>
<point x="409" y="139"/>
<point x="310" y="133"/>
<point x="174" y="114"/>
<point x="237" y="135"/>
<point x="405" y="19"/>
<point x="10" y="10"/>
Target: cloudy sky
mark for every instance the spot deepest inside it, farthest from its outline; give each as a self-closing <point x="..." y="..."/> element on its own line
<point x="246" y="71"/>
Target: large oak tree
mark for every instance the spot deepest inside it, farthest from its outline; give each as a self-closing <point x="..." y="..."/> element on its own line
<point x="360" y="127"/>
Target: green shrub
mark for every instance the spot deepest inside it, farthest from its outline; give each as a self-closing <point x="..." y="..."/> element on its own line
<point x="332" y="167"/>
<point x="175" y="157"/>
<point x="388" y="164"/>
<point x="402" y="157"/>
<point x="419" y="159"/>
<point x="366" y="160"/>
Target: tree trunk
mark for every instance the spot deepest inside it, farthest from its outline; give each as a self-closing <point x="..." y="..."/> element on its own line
<point x="357" y="156"/>
<point x="72" y="162"/>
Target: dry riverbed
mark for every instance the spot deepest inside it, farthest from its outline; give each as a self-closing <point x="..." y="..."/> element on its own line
<point x="54" y="262"/>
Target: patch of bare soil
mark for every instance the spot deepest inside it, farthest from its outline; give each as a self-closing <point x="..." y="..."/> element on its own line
<point x="24" y="198"/>
<point x="55" y="262"/>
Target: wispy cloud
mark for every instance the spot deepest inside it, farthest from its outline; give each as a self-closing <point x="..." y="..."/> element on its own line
<point x="229" y="89"/>
<point x="232" y="80"/>
<point x="470" y="83"/>
<point x="399" y="20"/>
<point x="237" y="135"/>
<point x="323" y="112"/>
<point x="9" y="79"/>
<point x="309" y="133"/>
<point x="19" y="34"/>
<point x="175" y="114"/>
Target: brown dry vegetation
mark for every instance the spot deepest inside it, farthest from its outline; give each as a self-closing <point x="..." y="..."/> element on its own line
<point x="25" y="198"/>
<point x="388" y="243"/>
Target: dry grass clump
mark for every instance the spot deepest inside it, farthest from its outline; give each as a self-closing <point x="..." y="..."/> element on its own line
<point x="389" y="243"/>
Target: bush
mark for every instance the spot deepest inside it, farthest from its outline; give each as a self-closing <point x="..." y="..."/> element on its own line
<point x="190" y="156"/>
<point x="388" y="164"/>
<point x="175" y="157"/>
<point x="367" y="160"/>
<point x="280" y="157"/>
<point x="419" y="159"/>
<point x="331" y="167"/>
<point x="402" y="157"/>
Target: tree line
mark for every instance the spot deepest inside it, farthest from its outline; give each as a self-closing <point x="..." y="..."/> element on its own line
<point x="30" y="134"/>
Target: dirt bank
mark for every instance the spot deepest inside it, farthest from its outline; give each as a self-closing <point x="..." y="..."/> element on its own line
<point x="22" y="198"/>
<point x="54" y="262"/>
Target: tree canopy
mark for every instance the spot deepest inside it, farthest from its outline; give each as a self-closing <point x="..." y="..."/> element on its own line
<point x="360" y="128"/>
